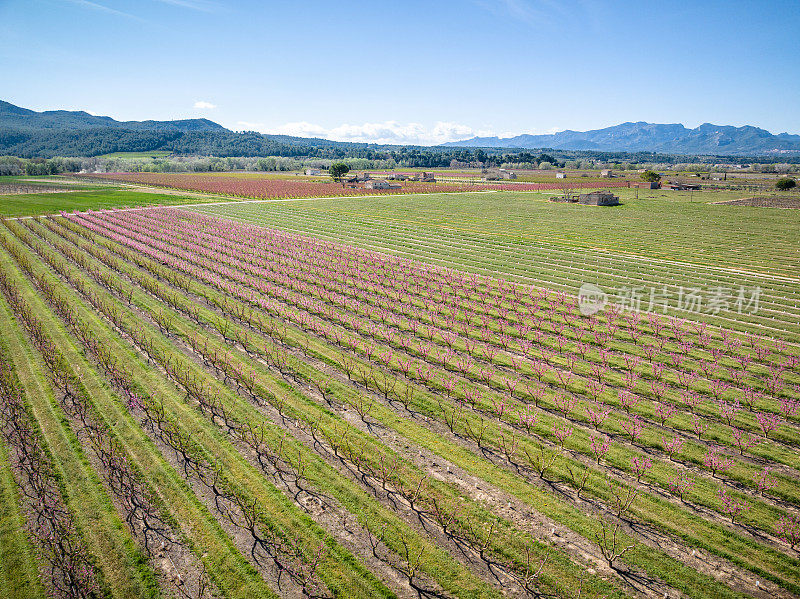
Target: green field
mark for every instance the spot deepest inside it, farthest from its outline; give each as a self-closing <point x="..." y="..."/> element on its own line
<point x="305" y="419"/>
<point x="45" y="181"/>
<point x="31" y="204"/>
<point x="665" y="225"/>
<point x="663" y="238"/>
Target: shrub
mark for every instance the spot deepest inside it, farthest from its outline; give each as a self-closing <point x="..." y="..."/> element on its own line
<point x="651" y="176"/>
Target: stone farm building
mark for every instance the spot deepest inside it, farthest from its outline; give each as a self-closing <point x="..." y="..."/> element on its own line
<point x="682" y="186"/>
<point x="594" y="198"/>
<point x="425" y="177"/>
<point x="496" y="174"/>
<point x="598" y="198"/>
<point x="380" y="184"/>
<point x="359" y="178"/>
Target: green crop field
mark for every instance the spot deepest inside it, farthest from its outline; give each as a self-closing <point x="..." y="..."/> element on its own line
<point x="681" y="240"/>
<point x="89" y="198"/>
<point x="394" y="396"/>
<point x="284" y="315"/>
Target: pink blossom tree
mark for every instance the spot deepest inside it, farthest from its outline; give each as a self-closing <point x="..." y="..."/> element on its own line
<point x="564" y="403"/>
<point x="699" y="425"/>
<point x="681" y="483"/>
<point x="673" y="446"/>
<point x="640" y="465"/>
<point x="693" y="400"/>
<point x="633" y="426"/>
<point x="731" y="506"/>
<point x="765" y="480"/>
<point x="768" y="422"/>
<point x="627" y="400"/>
<point x="743" y="440"/>
<point x="599" y="444"/>
<point x="717" y="462"/>
<point x="728" y="410"/>
<point x="597" y="414"/>
<point x="788" y="529"/>
<point x="664" y="411"/>
<point x="562" y="431"/>
<point x="789" y="406"/>
<point x="527" y="418"/>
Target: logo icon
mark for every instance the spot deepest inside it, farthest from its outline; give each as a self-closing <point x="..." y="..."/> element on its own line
<point x="591" y="299"/>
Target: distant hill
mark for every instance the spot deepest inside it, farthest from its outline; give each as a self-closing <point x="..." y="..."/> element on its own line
<point x="707" y="139"/>
<point x="30" y="134"/>
<point x="15" y="117"/>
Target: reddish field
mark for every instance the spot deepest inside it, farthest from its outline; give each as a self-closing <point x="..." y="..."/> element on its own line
<point x="268" y="188"/>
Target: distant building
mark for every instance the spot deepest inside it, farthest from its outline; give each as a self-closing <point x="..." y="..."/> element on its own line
<point x="598" y="198"/>
<point x="682" y="186"/>
<point x="646" y="184"/>
<point x="313" y="171"/>
<point x="561" y="175"/>
<point x="606" y="173"/>
<point x="359" y="178"/>
<point x="427" y="177"/>
<point x="496" y="174"/>
<point x="380" y="184"/>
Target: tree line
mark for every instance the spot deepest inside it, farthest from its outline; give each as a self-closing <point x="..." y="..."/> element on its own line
<point x="100" y="141"/>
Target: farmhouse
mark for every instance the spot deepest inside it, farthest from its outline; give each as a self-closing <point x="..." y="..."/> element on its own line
<point x="646" y="184"/>
<point x="561" y="175"/>
<point x="313" y="171"/>
<point x="495" y="174"/>
<point x="359" y="178"/>
<point x="598" y="198"/>
<point x="608" y="173"/>
<point x="380" y="184"/>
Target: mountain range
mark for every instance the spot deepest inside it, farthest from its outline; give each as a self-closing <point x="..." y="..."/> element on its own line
<point x="15" y="117"/>
<point x="707" y="139"/>
<point x="28" y="133"/>
<point x="31" y="134"/>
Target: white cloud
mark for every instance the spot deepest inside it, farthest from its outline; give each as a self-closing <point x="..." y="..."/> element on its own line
<point x="203" y="105"/>
<point x="386" y="132"/>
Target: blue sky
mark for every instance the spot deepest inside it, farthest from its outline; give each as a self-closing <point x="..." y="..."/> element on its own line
<point x="410" y="71"/>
